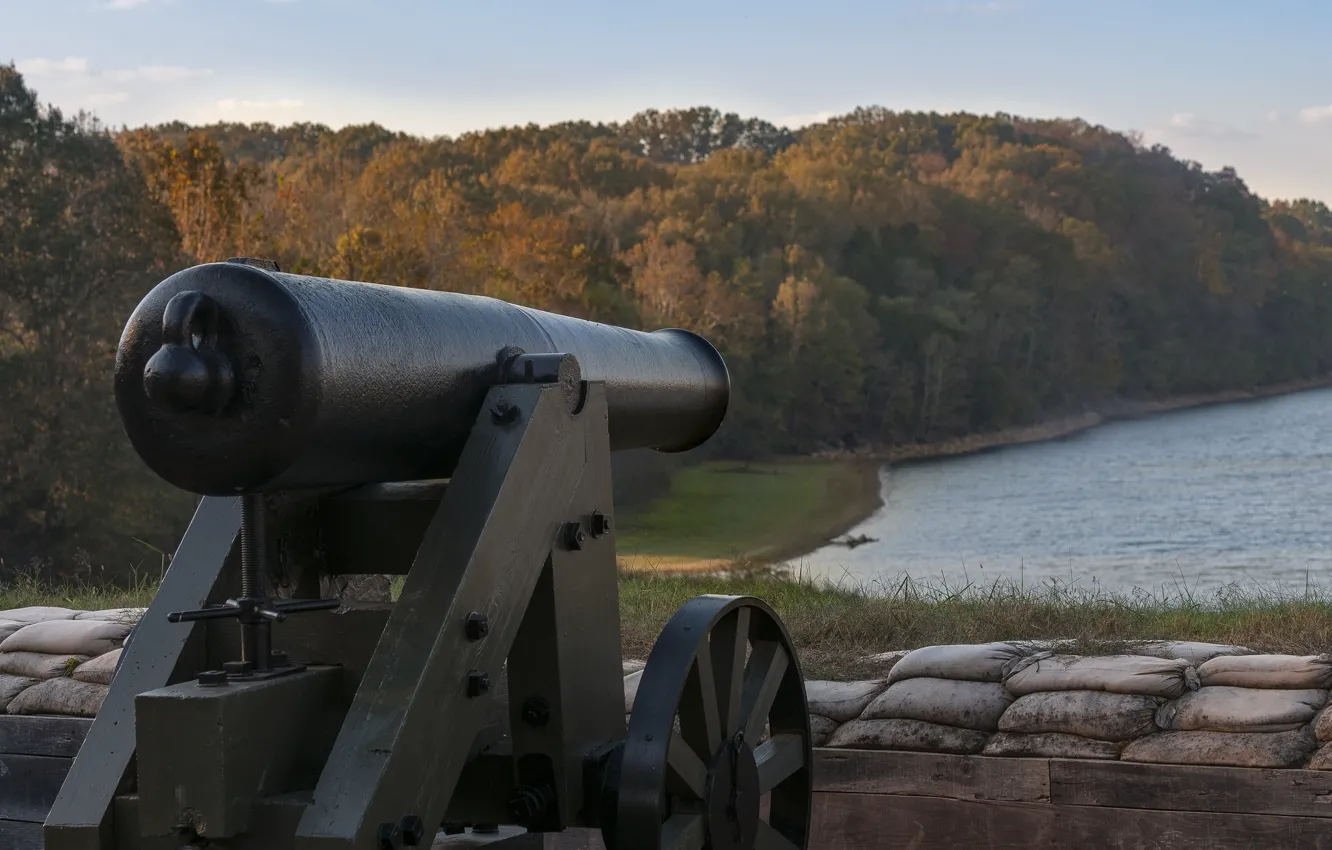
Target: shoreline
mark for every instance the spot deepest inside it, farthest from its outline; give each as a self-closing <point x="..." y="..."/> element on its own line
<point x="1062" y="427"/>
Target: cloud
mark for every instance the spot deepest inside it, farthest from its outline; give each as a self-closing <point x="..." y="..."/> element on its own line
<point x="155" y="73"/>
<point x="122" y="5"/>
<point x="105" y="98"/>
<point x="1273" y="117"/>
<point x="49" y="67"/>
<point x="232" y="105"/>
<point x="1189" y="124"/>
<point x="1316" y="114"/>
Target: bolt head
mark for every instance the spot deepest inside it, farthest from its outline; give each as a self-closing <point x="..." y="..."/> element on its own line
<point x="389" y="836"/>
<point x="213" y="677"/>
<point x="478" y="683"/>
<point x="503" y="412"/>
<point x="413" y="830"/>
<point x="477" y="626"/>
<point x="536" y="712"/>
<point x="574" y="536"/>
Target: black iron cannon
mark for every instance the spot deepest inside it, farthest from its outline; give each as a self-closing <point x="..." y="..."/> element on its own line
<point x="337" y="428"/>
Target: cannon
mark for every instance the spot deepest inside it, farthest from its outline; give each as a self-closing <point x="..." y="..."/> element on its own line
<point x="336" y="428"/>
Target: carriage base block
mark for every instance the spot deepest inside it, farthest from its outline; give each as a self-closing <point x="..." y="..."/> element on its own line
<point x="277" y="732"/>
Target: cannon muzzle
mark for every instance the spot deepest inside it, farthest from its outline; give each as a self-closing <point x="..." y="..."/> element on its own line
<point x="232" y="378"/>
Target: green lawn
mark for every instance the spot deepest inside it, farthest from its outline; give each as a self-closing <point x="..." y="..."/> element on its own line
<point x="727" y="511"/>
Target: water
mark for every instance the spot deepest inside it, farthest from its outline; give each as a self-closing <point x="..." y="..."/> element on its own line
<point x="1190" y="501"/>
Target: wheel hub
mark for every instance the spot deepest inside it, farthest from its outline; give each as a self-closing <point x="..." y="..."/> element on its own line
<point x="732" y="804"/>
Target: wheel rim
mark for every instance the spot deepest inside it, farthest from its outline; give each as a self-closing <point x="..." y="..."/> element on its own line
<point x="693" y="768"/>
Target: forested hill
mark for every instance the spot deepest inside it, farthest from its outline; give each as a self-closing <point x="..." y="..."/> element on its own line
<point x="879" y="278"/>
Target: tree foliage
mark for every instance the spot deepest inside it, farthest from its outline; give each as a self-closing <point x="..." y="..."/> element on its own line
<point x="879" y="278"/>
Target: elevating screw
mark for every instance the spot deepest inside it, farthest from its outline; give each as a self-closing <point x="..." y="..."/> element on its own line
<point x="477" y="683"/>
<point x="477" y="626"/>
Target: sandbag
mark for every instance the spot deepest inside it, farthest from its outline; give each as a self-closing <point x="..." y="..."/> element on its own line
<point x="37" y="665"/>
<point x="1086" y="714"/>
<point x="1221" y="708"/>
<point x="1322" y="760"/>
<point x="1051" y="745"/>
<point x="984" y="662"/>
<point x="99" y="670"/>
<point x="1283" y="672"/>
<point x="60" y="696"/>
<point x="841" y="701"/>
<point x="73" y="637"/>
<point x="821" y="729"/>
<point x="1194" y="652"/>
<point x="910" y="735"/>
<point x="968" y="705"/>
<point x="1323" y="725"/>
<point x="12" y="686"/>
<point x="1224" y="749"/>
<point x="1116" y="674"/>
<point x="631" y="689"/>
<point x="8" y="627"/>
<point x="882" y="663"/>
<point x="38" y="614"/>
<point x="115" y="615"/>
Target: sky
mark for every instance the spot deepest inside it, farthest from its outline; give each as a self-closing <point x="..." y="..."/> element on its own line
<point x="1223" y="82"/>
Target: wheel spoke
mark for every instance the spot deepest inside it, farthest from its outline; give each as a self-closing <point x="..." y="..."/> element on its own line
<point x="727" y="646"/>
<point x="700" y="720"/>
<point x="778" y="758"/>
<point x="686" y="775"/>
<point x="769" y="838"/>
<point x="763" y="675"/>
<point x="685" y="832"/>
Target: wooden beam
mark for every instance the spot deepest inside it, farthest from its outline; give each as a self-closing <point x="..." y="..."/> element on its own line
<point x="1191" y="788"/>
<point x="889" y="822"/>
<point x="18" y="835"/>
<point x="32" y="735"/>
<point x="932" y="775"/>
<point x="30" y="786"/>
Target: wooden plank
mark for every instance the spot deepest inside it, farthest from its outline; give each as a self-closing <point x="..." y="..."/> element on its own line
<point x="24" y="735"/>
<point x="1191" y="788"/>
<point x="887" y="822"/>
<point x="932" y="775"/>
<point x="29" y="785"/>
<point x="19" y="835"/>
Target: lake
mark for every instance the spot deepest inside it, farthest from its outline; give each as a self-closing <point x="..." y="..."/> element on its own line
<point x="1198" y="500"/>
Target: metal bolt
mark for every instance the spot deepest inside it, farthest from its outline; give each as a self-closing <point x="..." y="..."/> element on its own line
<point x="451" y="828"/>
<point x="477" y="683"/>
<point x="477" y="626"/>
<point x="213" y="677"/>
<point x="237" y="668"/>
<point x="601" y="524"/>
<point x="278" y="658"/>
<point x="389" y="836"/>
<point x="536" y="712"/>
<point x="413" y="830"/>
<point x="503" y="412"/>
<point x="573" y="535"/>
<point x="529" y="803"/>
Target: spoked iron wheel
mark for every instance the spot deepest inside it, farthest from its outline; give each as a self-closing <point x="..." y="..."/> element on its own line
<point x="696" y="771"/>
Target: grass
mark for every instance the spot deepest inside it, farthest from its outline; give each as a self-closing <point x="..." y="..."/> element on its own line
<point x="835" y="627"/>
<point x="724" y="512"/>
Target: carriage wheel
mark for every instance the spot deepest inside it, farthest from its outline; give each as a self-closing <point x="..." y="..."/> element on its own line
<point x="697" y="771"/>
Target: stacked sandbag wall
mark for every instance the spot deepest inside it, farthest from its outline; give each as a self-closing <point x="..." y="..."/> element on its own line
<point x="59" y="661"/>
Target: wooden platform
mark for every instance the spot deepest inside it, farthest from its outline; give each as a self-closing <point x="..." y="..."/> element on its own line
<point x="868" y="800"/>
<point x="35" y="755"/>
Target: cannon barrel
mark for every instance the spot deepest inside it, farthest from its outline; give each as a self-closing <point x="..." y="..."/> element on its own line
<point x="232" y="378"/>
